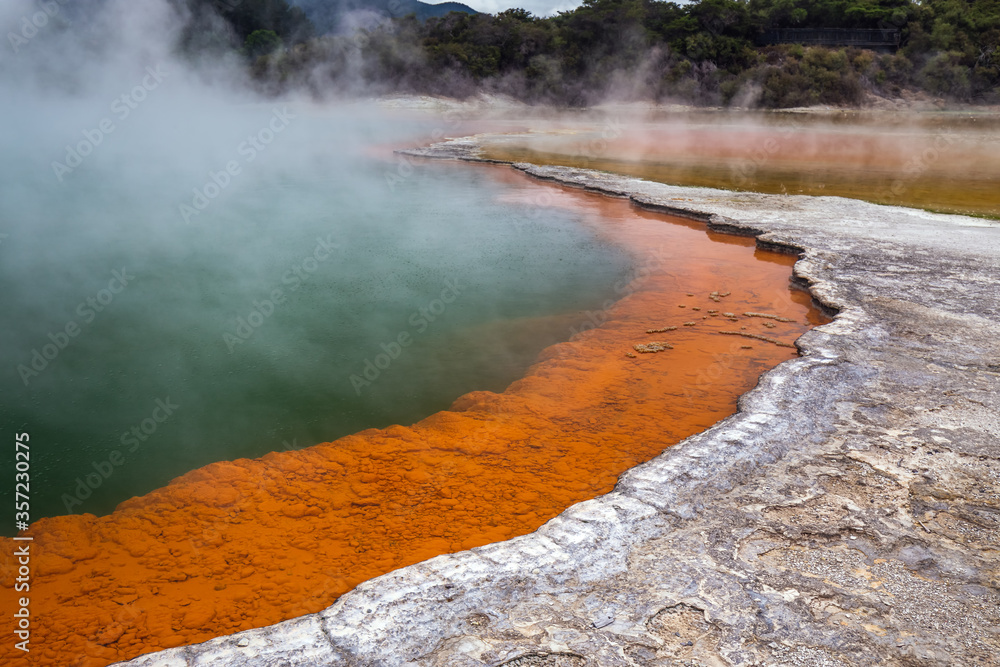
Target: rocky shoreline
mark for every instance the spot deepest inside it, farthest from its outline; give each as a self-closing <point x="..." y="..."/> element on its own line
<point x="848" y="514"/>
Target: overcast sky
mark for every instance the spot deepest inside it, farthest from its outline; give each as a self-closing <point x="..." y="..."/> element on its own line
<point x="536" y="7"/>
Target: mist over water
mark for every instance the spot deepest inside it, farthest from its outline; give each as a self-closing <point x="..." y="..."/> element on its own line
<point x="188" y="274"/>
<point x="191" y="273"/>
<point x="942" y="162"/>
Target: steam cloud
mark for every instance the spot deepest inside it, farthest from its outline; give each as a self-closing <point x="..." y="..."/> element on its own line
<point x="152" y="207"/>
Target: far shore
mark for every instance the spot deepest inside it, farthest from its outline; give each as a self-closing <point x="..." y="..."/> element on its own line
<point x="916" y="103"/>
<point x="940" y="160"/>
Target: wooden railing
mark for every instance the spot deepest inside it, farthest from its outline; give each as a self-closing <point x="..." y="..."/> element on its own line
<point x="875" y="39"/>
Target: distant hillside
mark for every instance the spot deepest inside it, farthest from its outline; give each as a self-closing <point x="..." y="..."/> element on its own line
<point x="326" y="15"/>
<point x="202" y="31"/>
<point x="707" y="52"/>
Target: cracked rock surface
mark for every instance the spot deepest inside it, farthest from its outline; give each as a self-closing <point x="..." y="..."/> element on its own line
<point x="848" y="514"/>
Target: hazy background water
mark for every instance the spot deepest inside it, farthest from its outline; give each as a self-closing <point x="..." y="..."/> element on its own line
<point x="402" y="233"/>
<point x="946" y="162"/>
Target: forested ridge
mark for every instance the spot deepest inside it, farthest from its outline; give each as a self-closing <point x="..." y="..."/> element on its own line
<point x="704" y="52"/>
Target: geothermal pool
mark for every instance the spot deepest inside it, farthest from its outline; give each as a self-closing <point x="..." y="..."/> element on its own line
<point x="245" y="543"/>
<point x="313" y="298"/>
<point x="259" y="367"/>
<point x="144" y="339"/>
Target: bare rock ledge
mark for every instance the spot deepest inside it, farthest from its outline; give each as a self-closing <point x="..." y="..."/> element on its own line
<point x="848" y="514"/>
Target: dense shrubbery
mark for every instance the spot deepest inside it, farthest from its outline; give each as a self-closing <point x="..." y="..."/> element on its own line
<point x="704" y="52"/>
<point x="240" y="20"/>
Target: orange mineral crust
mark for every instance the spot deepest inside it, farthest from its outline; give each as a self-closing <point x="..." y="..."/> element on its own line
<point x="247" y="543"/>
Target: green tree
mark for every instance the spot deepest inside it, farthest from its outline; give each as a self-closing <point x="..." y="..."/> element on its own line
<point x="704" y="52"/>
<point x="260" y="43"/>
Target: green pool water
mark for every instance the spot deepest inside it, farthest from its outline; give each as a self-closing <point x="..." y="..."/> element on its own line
<point x="322" y="291"/>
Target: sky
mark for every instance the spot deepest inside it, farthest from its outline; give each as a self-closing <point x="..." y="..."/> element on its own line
<point x="536" y="7"/>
